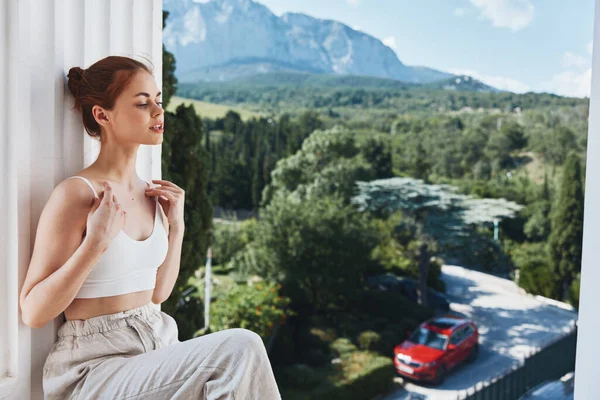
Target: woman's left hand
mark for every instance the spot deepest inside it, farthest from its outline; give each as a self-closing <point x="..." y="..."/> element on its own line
<point x="172" y="198"/>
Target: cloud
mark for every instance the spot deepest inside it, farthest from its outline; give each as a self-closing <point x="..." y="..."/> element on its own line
<point x="575" y="80"/>
<point x="570" y="83"/>
<point x="353" y="2"/>
<point x="459" y="12"/>
<point x="512" y="14"/>
<point x="589" y="47"/>
<point x="499" y="82"/>
<point x="570" y="60"/>
<point x="390" y="41"/>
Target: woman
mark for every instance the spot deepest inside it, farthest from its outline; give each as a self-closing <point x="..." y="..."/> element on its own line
<point x="107" y="245"/>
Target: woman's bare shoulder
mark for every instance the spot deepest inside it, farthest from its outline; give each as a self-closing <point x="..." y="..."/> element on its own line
<point x="94" y="179"/>
<point x="68" y="205"/>
<point x="70" y="201"/>
<point x="75" y="190"/>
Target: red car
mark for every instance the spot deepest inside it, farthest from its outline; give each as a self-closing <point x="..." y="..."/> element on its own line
<point x="436" y="347"/>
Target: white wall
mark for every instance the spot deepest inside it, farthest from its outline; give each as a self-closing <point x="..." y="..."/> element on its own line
<point x="587" y="372"/>
<point x="42" y="141"/>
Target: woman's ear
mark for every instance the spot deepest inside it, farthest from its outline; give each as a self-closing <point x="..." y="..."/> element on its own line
<point x="100" y="115"/>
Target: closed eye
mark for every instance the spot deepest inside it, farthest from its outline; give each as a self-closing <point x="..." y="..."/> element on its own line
<point x="144" y="105"/>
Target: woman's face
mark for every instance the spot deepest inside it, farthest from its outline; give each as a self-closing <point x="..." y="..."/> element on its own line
<point x="136" y="112"/>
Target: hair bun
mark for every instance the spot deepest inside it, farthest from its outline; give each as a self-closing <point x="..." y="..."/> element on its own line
<point x="75" y="77"/>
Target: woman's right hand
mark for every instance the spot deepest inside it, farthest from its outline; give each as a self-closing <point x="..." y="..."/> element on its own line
<point x="105" y="219"/>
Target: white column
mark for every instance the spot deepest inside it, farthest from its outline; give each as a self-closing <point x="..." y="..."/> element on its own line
<point x="587" y="373"/>
<point x="42" y="140"/>
<point x="15" y="84"/>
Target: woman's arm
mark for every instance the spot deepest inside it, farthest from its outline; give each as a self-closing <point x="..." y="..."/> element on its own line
<point x="169" y="269"/>
<point x="171" y="198"/>
<point x="60" y="261"/>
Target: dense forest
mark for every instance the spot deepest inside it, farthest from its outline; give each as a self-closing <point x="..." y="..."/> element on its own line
<point x="488" y="145"/>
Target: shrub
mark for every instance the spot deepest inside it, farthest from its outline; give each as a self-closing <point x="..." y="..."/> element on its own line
<point x="368" y="340"/>
<point x="256" y="307"/>
<point x="343" y="346"/>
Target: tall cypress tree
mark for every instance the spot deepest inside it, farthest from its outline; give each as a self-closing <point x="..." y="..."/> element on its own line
<point x="567" y="226"/>
<point x="538" y="226"/>
<point x="257" y="175"/>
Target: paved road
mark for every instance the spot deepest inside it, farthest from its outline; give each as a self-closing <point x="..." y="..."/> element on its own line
<point x="511" y="325"/>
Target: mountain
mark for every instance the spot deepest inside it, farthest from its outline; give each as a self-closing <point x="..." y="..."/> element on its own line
<point x="302" y="79"/>
<point x="221" y="40"/>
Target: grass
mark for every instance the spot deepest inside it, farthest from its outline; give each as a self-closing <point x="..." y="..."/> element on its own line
<point x="360" y="375"/>
<point x="210" y="110"/>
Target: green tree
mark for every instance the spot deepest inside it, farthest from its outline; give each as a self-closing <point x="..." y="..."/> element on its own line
<point x="244" y="153"/>
<point x="258" y="182"/>
<point x="515" y="134"/>
<point x="538" y="226"/>
<point x="420" y="166"/>
<point x="498" y="151"/>
<point x="309" y="237"/>
<point x="440" y="213"/>
<point x="231" y="180"/>
<point x="316" y="246"/>
<point x="535" y="273"/>
<point x="380" y="157"/>
<point x="308" y="122"/>
<point x="472" y="144"/>
<point x="327" y="163"/>
<point x="567" y="227"/>
<point x="559" y="142"/>
<point x="232" y="122"/>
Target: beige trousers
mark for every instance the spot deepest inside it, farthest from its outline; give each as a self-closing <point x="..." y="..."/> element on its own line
<point x="135" y="354"/>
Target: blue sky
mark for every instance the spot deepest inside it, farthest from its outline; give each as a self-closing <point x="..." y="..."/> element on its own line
<point x="517" y="45"/>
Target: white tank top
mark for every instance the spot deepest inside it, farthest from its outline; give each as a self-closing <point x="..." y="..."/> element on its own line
<point x="127" y="265"/>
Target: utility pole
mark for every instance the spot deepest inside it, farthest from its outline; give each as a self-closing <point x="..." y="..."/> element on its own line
<point x="496" y="230"/>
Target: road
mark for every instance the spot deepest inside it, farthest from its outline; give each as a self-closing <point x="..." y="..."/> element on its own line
<point x="511" y="324"/>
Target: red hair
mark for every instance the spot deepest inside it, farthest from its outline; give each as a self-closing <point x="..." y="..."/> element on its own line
<point x="101" y="84"/>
